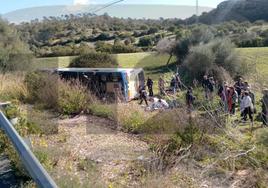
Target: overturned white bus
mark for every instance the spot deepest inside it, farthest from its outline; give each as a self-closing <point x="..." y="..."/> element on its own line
<point x="110" y="83"/>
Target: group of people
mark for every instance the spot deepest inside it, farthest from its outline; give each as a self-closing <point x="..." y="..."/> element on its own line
<point x="174" y="85"/>
<point x="239" y="94"/>
<point x="232" y="97"/>
<point x="155" y="103"/>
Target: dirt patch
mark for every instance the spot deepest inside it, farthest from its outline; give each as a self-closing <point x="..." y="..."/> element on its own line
<point x="95" y="139"/>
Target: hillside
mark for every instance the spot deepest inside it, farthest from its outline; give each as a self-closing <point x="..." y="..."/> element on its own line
<point x="125" y="11"/>
<point x="153" y="64"/>
<point x="239" y="10"/>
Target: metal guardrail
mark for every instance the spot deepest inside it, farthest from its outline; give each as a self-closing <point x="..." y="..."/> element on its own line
<point x="31" y="163"/>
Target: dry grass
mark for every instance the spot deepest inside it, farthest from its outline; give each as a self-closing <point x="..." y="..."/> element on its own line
<point x="12" y="87"/>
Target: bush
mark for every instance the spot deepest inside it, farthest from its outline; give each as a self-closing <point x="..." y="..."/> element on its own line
<point x="152" y="30"/>
<point x="52" y="93"/>
<point x="215" y="58"/>
<point x="101" y="110"/>
<point x="122" y="48"/>
<point x="73" y="98"/>
<point x="42" y="88"/>
<point x="104" y="47"/>
<point x="145" y="41"/>
<point x="94" y="60"/>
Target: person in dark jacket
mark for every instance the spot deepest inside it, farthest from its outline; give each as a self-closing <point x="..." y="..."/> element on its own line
<point x="143" y="95"/>
<point x="150" y="86"/>
<point x="205" y="85"/>
<point x="190" y="98"/>
<point x="239" y="85"/>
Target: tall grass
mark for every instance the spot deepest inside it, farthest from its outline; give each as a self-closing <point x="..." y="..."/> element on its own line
<point x="12" y="86"/>
<point x="51" y="92"/>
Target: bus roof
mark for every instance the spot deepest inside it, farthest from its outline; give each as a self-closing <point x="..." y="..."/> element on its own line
<point x="128" y="70"/>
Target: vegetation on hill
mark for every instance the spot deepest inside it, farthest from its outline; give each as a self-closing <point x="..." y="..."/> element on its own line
<point x="75" y="35"/>
<point x="238" y="10"/>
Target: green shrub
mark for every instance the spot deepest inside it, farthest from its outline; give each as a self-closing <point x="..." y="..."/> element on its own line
<point x="73" y="98"/>
<point x="94" y="60"/>
<point x="101" y="110"/>
<point x="42" y="88"/>
<point x="11" y="111"/>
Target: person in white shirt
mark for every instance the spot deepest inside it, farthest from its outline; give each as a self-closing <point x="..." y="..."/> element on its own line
<point x="158" y="104"/>
<point x="247" y="107"/>
<point x="162" y="104"/>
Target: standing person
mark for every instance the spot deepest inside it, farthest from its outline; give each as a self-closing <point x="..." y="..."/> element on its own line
<point x="190" y="98"/>
<point x="173" y="84"/>
<point x="223" y="94"/>
<point x="161" y="86"/>
<point x="239" y="86"/>
<point x="150" y="86"/>
<point x="211" y="85"/>
<point x="252" y="95"/>
<point x="205" y="84"/>
<point x="247" y="107"/>
<point x="234" y="99"/>
<point x="143" y="95"/>
<point x="229" y="99"/>
<point x="241" y="104"/>
<point x="264" y="102"/>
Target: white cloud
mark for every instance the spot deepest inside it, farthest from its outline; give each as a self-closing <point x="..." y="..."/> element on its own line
<point x="81" y="2"/>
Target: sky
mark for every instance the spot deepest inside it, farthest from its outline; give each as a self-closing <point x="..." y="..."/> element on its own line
<point x="10" y="5"/>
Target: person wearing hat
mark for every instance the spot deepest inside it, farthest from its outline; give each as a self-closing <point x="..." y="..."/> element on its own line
<point x="264" y="102"/>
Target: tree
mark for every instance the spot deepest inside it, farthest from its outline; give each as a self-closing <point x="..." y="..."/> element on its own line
<point x="14" y="53"/>
<point x="215" y="58"/>
<point x="145" y="41"/>
<point x="199" y="61"/>
<point x="166" y="46"/>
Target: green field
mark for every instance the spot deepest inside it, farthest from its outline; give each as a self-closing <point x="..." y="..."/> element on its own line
<point x="257" y="59"/>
